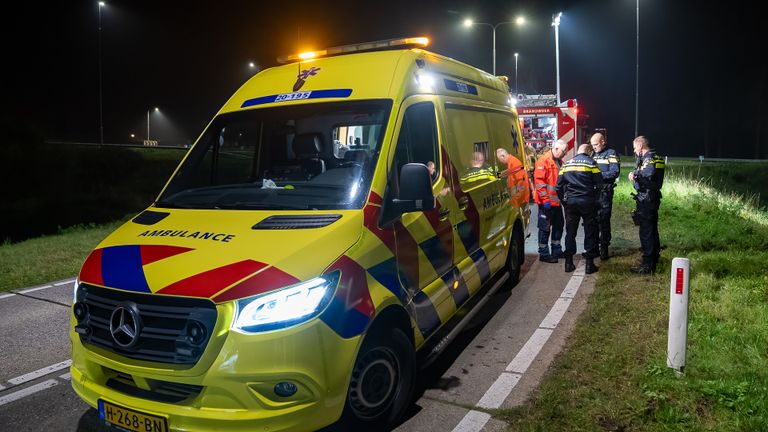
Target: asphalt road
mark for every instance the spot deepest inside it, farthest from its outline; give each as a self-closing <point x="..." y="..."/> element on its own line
<point x="496" y="362"/>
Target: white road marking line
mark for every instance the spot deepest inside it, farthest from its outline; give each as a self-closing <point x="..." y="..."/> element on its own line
<point x="580" y="269"/>
<point x="29" y="290"/>
<point x="573" y="285"/>
<point x="529" y="351"/>
<point x="40" y="372"/>
<point x="472" y="421"/>
<point x="27" y="391"/>
<point x="67" y="376"/>
<point x="499" y="391"/>
<point x="556" y="313"/>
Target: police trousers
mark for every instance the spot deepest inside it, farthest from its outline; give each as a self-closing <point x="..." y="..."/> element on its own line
<point x="605" y="203"/>
<point x="588" y="213"/>
<point x="647" y="216"/>
<point x="550" y="224"/>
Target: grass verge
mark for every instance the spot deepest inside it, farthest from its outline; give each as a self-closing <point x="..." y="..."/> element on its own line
<point x="613" y="375"/>
<point x="45" y="259"/>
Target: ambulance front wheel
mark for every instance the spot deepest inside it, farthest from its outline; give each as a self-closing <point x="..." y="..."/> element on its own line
<point x="382" y="382"/>
<point x="515" y="257"/>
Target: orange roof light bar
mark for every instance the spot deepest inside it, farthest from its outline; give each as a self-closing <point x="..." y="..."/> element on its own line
<point x="311" y="54"/>
<point x="413" y="42"/>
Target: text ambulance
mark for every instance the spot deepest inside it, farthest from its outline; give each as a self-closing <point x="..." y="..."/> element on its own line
<point x="329" y="232"/>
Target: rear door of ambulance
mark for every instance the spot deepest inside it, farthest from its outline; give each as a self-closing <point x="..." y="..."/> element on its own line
<point x="476" y="190"/>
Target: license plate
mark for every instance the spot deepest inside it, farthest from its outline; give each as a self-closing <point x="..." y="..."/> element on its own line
<point x="131" y="420"/>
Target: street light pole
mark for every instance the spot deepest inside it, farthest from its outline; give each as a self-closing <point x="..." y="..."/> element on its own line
<point x="556" y="25"/>
<point x="469" y="23"/>
<point x="516" y="55"/>
<point x="156" y="109"/>
<point x="494" y="50"/>
<point x="101" y="105"/>
<point x="637" y="71"/>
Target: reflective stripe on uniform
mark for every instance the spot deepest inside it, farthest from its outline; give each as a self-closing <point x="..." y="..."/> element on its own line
<point x="580" y="168"/>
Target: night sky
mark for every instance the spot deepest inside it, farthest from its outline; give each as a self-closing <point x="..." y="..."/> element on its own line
<point x="702" y="75"/>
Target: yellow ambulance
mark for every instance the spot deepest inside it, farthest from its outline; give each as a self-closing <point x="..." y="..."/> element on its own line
<point x="329" y="233"/>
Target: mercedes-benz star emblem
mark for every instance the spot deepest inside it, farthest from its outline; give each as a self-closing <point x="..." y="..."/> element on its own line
<point x="125" y="326"/>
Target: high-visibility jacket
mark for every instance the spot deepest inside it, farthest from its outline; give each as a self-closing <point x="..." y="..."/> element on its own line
<point x="580" y="180"/>
<point x="649" y="177"/>
<point x="517" y="181"/>
<point x="545" y="180"/>
<point x="609" y="165"/>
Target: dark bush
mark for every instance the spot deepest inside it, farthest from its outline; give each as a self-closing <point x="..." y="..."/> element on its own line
<point x="51" y="186"/>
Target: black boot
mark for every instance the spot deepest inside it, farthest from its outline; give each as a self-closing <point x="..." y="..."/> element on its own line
<point x="646" y="267"/>
<point x="604" y="253"/>
<point x="591" y="267"/>
<point x="569" y="267"/>
<point x="548" y="259"/>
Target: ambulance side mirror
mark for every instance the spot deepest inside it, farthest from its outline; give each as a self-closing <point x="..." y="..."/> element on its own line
<point x="415" y="189"/>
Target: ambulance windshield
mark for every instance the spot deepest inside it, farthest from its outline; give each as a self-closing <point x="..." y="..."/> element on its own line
<point x="310" y="156"/>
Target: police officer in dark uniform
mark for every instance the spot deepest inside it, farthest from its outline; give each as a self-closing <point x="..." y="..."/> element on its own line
<point x="647" y="180"/>
<point x="608" y="162"/>
<point x="578" y="185"/>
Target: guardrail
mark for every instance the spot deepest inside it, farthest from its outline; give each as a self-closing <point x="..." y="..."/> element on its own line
<point x="127" y="145"/>
<point x="706" y="159"/>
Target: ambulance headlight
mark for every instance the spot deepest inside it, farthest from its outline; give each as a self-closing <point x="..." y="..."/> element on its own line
<point x="285" y="307"/>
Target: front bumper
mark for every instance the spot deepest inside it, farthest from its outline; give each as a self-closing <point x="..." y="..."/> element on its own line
<point x="233" y="383"/>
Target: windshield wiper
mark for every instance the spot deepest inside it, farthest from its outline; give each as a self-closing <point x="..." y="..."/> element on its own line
<point x="168" y="204"/>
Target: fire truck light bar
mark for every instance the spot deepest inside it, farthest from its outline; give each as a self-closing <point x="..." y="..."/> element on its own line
<point x="418" y="42"/>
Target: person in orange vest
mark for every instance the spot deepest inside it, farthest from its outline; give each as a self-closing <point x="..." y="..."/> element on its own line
<point x="551" y="219"/>
<point x="517" y="178"/>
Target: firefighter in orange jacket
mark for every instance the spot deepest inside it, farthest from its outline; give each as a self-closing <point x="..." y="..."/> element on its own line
<point x="517" y="178"/>
<point x="550" y="211"/>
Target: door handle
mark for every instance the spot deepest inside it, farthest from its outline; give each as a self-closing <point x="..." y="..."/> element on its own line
<point x="443" y="213"/>
<point x="463" y="203"/>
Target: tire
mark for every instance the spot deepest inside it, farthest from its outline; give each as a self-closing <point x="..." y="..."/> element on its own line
<point x="515" y="257"/>
<point x="382" y="382"/>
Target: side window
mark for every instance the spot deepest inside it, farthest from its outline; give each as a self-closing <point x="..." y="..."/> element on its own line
<point x="471" y="145"/>
<point x="418" y="139"/>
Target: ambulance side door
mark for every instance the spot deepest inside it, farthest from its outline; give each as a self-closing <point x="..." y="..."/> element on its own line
<point x="473" y="176"/>
<point x="424" y="240"/>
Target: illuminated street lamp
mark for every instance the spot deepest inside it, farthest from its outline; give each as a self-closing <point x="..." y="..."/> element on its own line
<point x="156" y="110"/>
<point x="101" y="105"/>
<point x="468" y="22"/>
<point x="556" y="25"/>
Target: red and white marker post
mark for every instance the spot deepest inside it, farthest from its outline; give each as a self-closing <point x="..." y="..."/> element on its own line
<point x="678" y="314"/>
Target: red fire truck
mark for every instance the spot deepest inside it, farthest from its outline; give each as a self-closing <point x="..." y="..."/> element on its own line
<point x="543" y="121"/>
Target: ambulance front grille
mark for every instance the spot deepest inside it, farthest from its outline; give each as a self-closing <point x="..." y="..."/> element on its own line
<point x="161" y="391"/>
<point x="167" y="324"/>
